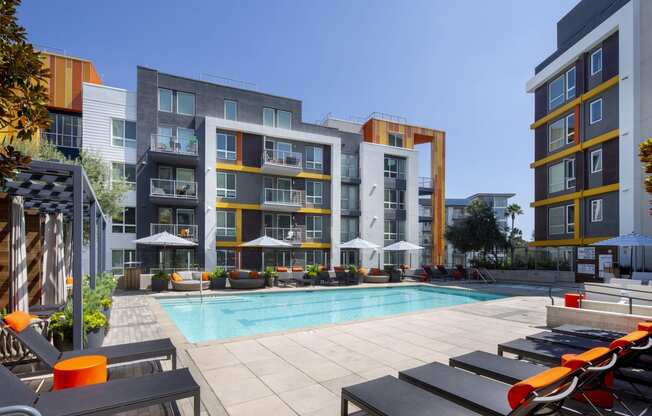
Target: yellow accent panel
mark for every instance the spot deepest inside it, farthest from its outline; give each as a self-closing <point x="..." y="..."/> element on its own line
<point x="315" y="245"/>
<point x="227" y="244"/>
<point x="310" y="175"/>
<point x="600" y="190"/>
<point x="237" y="205"/>
<point x="575" y="195"/>
<point x="582" y="98"/>
<point x="610" y="135"/>
<point x="314" y="211"/>
<point x="238" y="225"/>
<point x="250" y="169"/>
<point x="568" y="242"/>
<point x="577" y="219"/>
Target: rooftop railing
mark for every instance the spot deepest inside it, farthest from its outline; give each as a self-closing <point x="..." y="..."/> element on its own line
<point x="174" y="144"/>
<point x="173" y="189"/>
<point x="282" y="158"/>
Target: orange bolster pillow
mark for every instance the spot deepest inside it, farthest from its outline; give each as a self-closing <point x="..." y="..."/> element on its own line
<point x="176" y="277"/>
<point x="281" y="269"/>
<point x="253" y="275"/>
<point x="338" y="268"/>
<point x="645" y="326"/>
<point x="19" y="320"/>
<point x="520" y="391"/>
<point x="234" y="275"/>
<point x="628" y="339"/>
<point x="575" y="361"/>
<point x="297" y="269"/>
<point x="205" y="277"/>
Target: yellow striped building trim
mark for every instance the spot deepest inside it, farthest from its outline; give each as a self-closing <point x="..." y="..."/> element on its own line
<point x="258" y="207"/>
<point x="567" y="242"/>
<point x="251" y="169"/>
<point x="610" y="135"/>
<point x="576" y="195"/>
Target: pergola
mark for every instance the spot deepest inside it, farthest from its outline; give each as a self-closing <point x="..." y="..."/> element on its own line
<point x="55" y="187"/>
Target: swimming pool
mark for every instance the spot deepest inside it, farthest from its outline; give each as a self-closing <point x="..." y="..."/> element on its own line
<point x="223" y="317"/>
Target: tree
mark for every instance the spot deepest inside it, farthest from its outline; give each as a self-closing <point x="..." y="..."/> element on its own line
<point x="512" y="211"/>
<point x="23" y="96"/>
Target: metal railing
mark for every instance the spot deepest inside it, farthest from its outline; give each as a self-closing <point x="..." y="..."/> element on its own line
<point x="624" y="294"/>
<point x="173" y="189"/>
<point x="174" y="144"/>
<point x="174" y="268"/>
<point x="19" y="410"/>
<point x="425" y="182"/>
<point x="387" y="117"/>
<point x="350" y="172"/>
<point x="294" y="234"/>
<point x="282" y="158"/>
<point x="287" y="197"/>
<point x="188" y="231"/>
<point x="62" y="140"/>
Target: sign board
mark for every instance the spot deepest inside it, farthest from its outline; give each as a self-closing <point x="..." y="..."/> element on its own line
<point x="586" y="268"/>
<point x="605" y="265"/>
<point x="586" y="253"/>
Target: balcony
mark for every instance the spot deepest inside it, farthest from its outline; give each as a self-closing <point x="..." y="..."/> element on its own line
<point x="283" y="199"/>
<point x="281" y="162"/>
<point x="62" y="140"/>
<point x="173" y="150"/>
<point x="293" y="235"/>
<point x="188" y="231"/>
<point x="167" y="191"/>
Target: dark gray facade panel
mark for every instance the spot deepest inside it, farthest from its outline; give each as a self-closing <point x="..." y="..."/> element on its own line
<point x="609" y="226"/>
<point x="610" y="162"/>
<point x="610" y="114"/>
<point x="252" y="150"/>
<point x="594" y="179"/>
<point x="611" y="59"/>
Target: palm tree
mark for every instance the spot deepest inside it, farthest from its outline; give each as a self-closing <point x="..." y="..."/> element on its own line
<point x="512" y="211"/>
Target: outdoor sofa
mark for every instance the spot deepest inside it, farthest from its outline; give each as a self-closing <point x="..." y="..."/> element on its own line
<point x="376" y="276"/>
<point x="191" y="282"/>
<point x="245" y="279"/>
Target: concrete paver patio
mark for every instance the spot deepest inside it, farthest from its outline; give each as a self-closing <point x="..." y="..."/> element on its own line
<point x="302" y="372"/>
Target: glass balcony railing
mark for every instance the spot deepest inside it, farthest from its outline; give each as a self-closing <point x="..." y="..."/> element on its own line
<point x="188" y="231"/>
<point x="173" y="144"/>
<point x="350" y="172"/>
<point x="287" y="197"/>
<point x="173" y="189"/>
<point x="290" y="235"/>
<point x="282" y="158"/>
<point x="425" y="182"/>
<point x="425" y="211"/>
<point x="62" y="140"/>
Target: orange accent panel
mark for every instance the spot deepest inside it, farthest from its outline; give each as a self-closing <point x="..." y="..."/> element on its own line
<point x="80" y="371"/>
<point x="77" y="85"/>
<point x="238" y="148"/>
<point x="59" y="83"/>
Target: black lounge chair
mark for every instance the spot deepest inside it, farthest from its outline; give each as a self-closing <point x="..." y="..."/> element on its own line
<point x="588" y="332"/>
<point x="540" y="351"/>
<point x="45" y="311"/>
<point x="114" y="396"/>
<point x="115" y="354"/>
<point x="569" y="340"/>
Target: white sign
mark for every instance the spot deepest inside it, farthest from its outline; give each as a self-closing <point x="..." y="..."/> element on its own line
<point x="605" y="265"/>
<point x="586" y="269"/>
<point x="586" y="253"/>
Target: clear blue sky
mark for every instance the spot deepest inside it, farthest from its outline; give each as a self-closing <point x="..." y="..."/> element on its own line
<point x="458" y="66"/>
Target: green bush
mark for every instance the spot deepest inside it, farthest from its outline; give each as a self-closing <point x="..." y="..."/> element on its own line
<point x="218" y="273"/>
<point x="352" y="269"/>
<point x="161" y="276"/>
<point x="270" y="272"/>
<point x="94" y="320"/>
<point x="312" y="270"/>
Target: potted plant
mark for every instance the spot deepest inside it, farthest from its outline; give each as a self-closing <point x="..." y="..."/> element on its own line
<point x="60" y="328"/>
<point x="160" y="282"/>
<point x="352" y="272"/>
<point x="271" y="276"/>
<point x="218" y="279"/>
<point x="106" y="303"/>
<point x="95" y="324"/>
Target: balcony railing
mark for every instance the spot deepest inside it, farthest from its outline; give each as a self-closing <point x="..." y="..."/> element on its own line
<point x="173" y="144"/>
<point x="282" y="158"/>
<point x="290" y="235"/>
<point x="425" y="182"/>
<point x="188" y="231"/>
<point x="350" y="172"/>
<point x="425" y="212"/>
<point x="286" y="197"/>
<point x="173" y="189"/>
<point x="62" y="140"/>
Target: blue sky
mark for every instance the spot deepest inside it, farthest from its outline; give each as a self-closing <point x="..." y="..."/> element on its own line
<point x="458" y="66"/>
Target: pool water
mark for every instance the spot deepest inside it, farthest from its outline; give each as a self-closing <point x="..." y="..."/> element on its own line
<point x="223" y="317"/>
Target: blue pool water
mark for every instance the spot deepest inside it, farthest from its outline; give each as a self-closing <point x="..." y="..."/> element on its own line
<point x="222" y="317"/>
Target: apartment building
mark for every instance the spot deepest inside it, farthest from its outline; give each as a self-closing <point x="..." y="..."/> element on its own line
<point x="592" y="109"/>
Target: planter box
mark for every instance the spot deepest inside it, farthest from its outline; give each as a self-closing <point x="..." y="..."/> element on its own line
<point x="94" y="339"/>
<point x="159" y="285"/>
<point x="218" y="284"/>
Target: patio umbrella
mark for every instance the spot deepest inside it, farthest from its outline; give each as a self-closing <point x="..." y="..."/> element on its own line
<point x="265" y="242"/>
<point x="628" y="240"/>
<point x="18" y="257"/>
<point x="53" y="264"/>
<point x="360" y="244"/>
<point x="403" y="246"/>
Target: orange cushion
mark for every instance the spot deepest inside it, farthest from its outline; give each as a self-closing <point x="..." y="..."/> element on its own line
<point x="363" y="271"/>
<point x="69" y="280"/>
<point x="375" y="272"/>
<point x="176" y="277"/>
<point x="80" y="371"/>
<point x="18" y="320"/>
<point x="575" y="361"/>
<point x="205" y="277"/>
<point x="338" y="268"/>
<point x="520" y="391"/>
<point x="234" y="275"/>
<point x="254" y="275"/>
<point x="281" y="269"/>
<point x="629" y="339"/>
<point x="322" y="268"/>
<point x="297" y="269"/>
<point x="645" y="326"/>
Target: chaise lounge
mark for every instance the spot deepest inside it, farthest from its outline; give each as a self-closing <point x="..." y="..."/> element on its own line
<point x="376" y="276"/>
<point x="245" y="279"/>
<point x="189" y="281"/>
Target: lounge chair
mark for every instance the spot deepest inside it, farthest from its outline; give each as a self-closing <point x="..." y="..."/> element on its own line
<point x="588" y="332"/>
<point x="115" y="354"/>
<point x="442" y="272"/>
<point x="45" y="311"/>
<point x="245" y="279"/>
<point x="114" y="396"/>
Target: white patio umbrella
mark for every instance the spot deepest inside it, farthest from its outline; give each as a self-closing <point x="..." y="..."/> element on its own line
<point x="18" y="257"/>
<point x="265" y="242"/>
<point x="627" y="240"/>
<point x="360" y="244"/>
<point x="403" y="246"/>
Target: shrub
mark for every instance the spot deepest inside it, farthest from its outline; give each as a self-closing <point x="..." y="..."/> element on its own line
<point x="161" y="276"/>
<point x="312" y="270"/>
<point x="218" y="273"/>
<point x="270" y="272"/>
<point x="94" y="320"/>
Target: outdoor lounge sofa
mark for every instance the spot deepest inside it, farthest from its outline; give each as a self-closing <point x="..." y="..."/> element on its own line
<point x="191" y="282"/>
<point x="245" y="279"/>
<point x="376" y="276"/>
<point x="114" y="396"/>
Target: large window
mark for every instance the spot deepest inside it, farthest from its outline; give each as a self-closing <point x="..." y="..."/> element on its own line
<point x="277" y="118"/>
<point x="164" y="100"/>
<point x="570" y="128"/>
<point x="226" y="185"/>
<point x="348" y="228"/>
<point x="226" y="259"/>
<point x="186" y="103"/>
<point x="314" y="158"/>
<point x="556" y="220"/>
<point x="349" y="166"/>
<point x="225" y="223"/>
<point x="226" y="146"/>
<point x="556" y="178"/>
<point x="314" y="192"/>
<point x="570" y="83"/>
<point x="269" y="117"/>
<point x="596" y="61"/>
<point x="230" y="110"/>
<point x="315" y="257"/>
<point x="570" y="219"/>
<point x="120" y="258"/>
<point x="125" y="221"/>
<point x="395" y="139"/>
<point x="556" y="93"/>
<point x="394" y="230"/>
<point x="596" y="161"/>
<point x="65" y="130"/>
<point x="349" y="194"/>
<point x="596" y="210"/>
<point x="394" y="167"/>
<point x="314" y="227"/>
<point x="595" y="111"/>
<point x="394" y="199"/>
<point x="123" y="133"/>
<point x="556" y="135"/>
<point x="124" y="172"/>
<point x="569" y="165"/>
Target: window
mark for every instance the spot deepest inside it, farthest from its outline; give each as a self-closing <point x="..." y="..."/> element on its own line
<point x="314" y="192"/>
<point x="556" y="220"/>
<point x="226" y="185"/>
<point x="556" y="93"/>
<point x="596" y="61"/>
<point x="596" y="161"/>
<point x="394" y="199"/>
<point x="315" y="257"/>
<point x="596" y="210"/>
<point x="348" y="229"/>
<point x="569" y="166"/>
<point x="120" y="258"/>
<point x="570" y="128"/>
<point x="390" y="230"/>
<point x="269" y="116"/>
<point x="164" y="100"/>
<point x="65" y="130"/>
<point x="595" y="111"/>
<point x="570" y="83"/>
<point x="124" y="172"/>
<point x="570" y="219"/>
<point x="394" y="258"/>
<point x="349" y="166"/>
<point x="225" y="223"/>
<point x="125" y="221"/>
<point x="349" y="195"/>
<point x="230" y="110"/>
<point x="123" y="133"/>
<point x="556" y="178"/>
<point x="314" y="158"/>
<point x="277" y="118"/>
<point x="314" y="225"/>
<point x="226" y="259"/>
<point x="395" y="139"/>
<point x="226" y="146"/>
<point x="185" y="103"/>
<point x="394" y="168"/>
<point x="556" y="135"/>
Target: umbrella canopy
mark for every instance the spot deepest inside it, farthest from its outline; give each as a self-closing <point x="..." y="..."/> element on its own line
<point x="266" y="242"/>
<point x="402" y="246"/>
<point x="359" y="243"/>
<point x="165" y="239"/>
<point x="627" y="240"/>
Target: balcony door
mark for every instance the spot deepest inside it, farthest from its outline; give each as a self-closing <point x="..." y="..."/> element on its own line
<point x="185" y="216"/>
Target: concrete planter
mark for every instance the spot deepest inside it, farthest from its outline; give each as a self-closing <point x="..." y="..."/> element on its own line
<point x="95" y="338"/>
<point x="159" y="285"/>
<point x="218" y="283"/>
